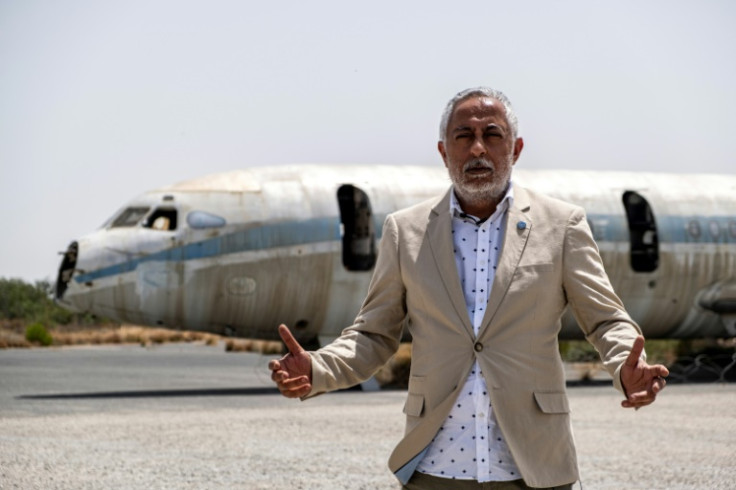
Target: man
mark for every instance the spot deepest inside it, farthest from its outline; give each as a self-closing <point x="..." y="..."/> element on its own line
<point x="482" y="276"/>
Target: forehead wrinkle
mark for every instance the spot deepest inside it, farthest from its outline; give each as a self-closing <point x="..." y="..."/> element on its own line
<point x="481" y="104"/>
<point x="474" y="120"/>
<point x="478" y="108"/>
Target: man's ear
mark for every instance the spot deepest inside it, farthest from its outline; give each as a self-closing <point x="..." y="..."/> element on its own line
<point x="443" y="152"/>
<point x="518" y="146"/>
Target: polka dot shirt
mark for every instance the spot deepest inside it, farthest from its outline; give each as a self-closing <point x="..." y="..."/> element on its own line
<point x="469" y="445"/>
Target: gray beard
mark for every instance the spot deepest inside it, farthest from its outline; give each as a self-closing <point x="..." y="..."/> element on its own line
<point x="480" y="192"/>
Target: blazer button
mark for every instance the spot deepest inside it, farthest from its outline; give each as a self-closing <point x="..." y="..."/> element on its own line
<point x="478" y="347"/>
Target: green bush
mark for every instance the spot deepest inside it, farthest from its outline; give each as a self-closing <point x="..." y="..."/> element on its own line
<point x="578" y="351"/>
<point x="30" y="302"/>
<point x="19" y="299"/>
<point x="38" y="333"/>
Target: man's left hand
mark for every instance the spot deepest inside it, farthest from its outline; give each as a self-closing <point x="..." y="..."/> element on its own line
<point x="641" y="381"/>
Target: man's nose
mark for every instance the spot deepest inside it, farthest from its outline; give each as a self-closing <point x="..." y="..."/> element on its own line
<point x="478" y="149"/>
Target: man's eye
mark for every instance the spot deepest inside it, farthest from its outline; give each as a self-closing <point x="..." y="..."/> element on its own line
<point x="462" y="135"/>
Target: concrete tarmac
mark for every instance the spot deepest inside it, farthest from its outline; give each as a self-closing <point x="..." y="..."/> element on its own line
<point x="191" y="416"/>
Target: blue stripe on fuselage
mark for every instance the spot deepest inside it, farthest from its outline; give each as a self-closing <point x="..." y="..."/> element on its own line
<point x="261" y="237"/>
<point x="671" y="229"/>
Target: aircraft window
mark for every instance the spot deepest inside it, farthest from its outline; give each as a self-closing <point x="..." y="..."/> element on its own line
<point x="130" y="217"/>
<point x="201" y="219"/>
<point x="359" y="234"/>
<point x="732" y="228"/>
<point x="693" y="228"/>
<point x="162" y="219"/>
<point x="642" y="233"/>
<point x="715" y="230"/>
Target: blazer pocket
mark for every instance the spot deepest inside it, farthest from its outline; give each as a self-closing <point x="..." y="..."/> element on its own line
<point x="414" y="405"/>
<point x="552" y="402"/>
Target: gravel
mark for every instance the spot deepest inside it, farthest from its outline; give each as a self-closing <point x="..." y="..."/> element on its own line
<point x="63" y="432"/>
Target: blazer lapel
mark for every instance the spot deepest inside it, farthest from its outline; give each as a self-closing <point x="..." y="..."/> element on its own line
<point x="518" y="227"/>
<point x="439" y="232"/>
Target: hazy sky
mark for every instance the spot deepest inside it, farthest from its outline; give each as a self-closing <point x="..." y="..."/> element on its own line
<point x="101" y="100"/>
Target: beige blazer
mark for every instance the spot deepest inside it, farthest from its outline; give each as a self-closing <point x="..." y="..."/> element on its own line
<point x="548" y="261"/>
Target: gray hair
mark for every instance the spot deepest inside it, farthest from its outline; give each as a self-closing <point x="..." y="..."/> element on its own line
<point x="479" y="92"/>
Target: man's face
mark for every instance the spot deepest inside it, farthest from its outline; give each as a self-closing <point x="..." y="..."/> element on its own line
<point x="479" y="149"/>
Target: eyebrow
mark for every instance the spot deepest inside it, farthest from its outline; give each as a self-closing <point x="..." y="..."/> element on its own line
<point x="490" y="126"/>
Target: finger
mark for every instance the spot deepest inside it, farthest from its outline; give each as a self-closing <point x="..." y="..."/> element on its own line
<point x="635" y="406"/>
<point x="639" y="401"/>
<point x="661" y="371"/>
<point x="635" y="353"/>
<point x="289" y="340"/>
<point x="296" y="387"/>
<point x="298" y="393"/>
<point x="645" y="397"/>
<point x="274" y="365"/>
<point x="279" y="376"/>
<point x="303" y="391"/>
<point x="293" y="383"/>
<point x="658" y="385"/>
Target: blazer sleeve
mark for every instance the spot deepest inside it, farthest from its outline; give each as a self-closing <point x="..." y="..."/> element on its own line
<point x="596" y="307"/>
<point x="369" y="343"/>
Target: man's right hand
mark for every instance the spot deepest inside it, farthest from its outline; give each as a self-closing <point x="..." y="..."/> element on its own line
<point x="293" y="372"/>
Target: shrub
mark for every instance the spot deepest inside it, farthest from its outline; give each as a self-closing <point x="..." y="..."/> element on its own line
<point x="578" y="351"/>
<point x="38" y="333"/>
<point x="30" y="302"/>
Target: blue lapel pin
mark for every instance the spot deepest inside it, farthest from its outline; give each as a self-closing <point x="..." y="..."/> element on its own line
<point x="521" y="225"/>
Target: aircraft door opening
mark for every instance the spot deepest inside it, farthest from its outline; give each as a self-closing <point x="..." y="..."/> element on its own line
<point x="66" y="270"/>
<point x="642" y="232"/>
<point x="359" y="233"/>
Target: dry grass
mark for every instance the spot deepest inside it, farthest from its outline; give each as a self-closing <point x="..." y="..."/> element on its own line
<point x="10" y="339"/>
<point x="129" y="334"/>
<point x="248" y="345"/>
<point x="12" y="335"/>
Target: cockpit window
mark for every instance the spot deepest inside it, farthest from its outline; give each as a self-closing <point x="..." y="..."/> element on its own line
<point x="162" y="219"/>
<point x="130" y="217"/>
<point x="201" y="219"/>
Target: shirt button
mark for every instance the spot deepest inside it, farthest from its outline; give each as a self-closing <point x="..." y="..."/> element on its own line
<point x="478" y="347"/>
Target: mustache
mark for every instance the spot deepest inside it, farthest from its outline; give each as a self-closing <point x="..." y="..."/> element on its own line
<point x="479" y="163"/>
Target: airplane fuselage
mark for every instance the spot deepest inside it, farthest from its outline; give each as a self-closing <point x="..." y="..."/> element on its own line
<point x="241" y="252"/>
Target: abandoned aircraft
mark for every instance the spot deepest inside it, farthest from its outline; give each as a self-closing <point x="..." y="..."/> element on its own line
<point x="239" y="253"/>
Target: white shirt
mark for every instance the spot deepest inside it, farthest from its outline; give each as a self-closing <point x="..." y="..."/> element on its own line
<point x="469" y="445"/>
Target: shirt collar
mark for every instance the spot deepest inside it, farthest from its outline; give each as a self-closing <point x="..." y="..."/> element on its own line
<point x="506" y="202"/>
